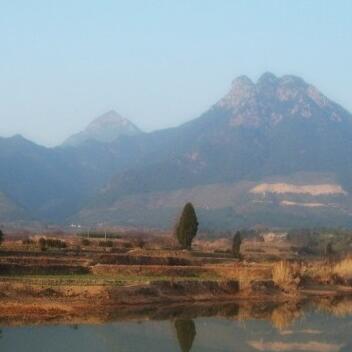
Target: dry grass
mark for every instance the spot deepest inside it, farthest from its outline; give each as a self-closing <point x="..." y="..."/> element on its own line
<point x="344" y="268"/>
<point x="245" y="274"/>
<point x="286" y="273"/>
<point x="326" y="272"/>
<point x="320" y="272"/>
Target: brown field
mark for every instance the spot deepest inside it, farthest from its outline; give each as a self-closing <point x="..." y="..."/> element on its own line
<point x="54" y="284"/>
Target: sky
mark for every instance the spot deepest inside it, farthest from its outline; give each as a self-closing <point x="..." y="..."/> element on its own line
<point x="158" y="63"/>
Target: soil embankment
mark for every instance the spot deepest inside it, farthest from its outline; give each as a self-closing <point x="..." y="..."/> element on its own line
<point x="65" y="286"/>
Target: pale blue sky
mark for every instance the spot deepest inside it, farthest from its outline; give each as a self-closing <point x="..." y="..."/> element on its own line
<point x="158" y="63"/>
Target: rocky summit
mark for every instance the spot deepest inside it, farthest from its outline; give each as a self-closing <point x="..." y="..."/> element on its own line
<point x="272" y="99"/>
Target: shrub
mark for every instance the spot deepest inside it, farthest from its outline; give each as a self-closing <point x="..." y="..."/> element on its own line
<point x="344" y="268"/>
<point x="286" y="274"/>
<point x="127" y="245"/>
<point x="139" y="242"/>
<point x="328" y="250"/>
<point x="105" y="244"/>
<point x="27" y="241"/>
<point x="187" y="226"/>
<point x="42" y="243"/>
<point x="104" y="235"/>
<point x="85" y="242"/>
<point x="55" y="243"/>
<point x="236" y="245"/>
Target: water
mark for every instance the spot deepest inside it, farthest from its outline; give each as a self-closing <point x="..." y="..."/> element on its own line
<point x="323" y="326"/>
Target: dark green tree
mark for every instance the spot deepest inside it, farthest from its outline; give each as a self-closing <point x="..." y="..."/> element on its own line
<point x="236" y="244"/>
<point x="42" y="244"/>
<point x="1" y="236"/>
<point x="186" y="332"/>
<point x="187" y="226"/>
<point x="329" y="251"/>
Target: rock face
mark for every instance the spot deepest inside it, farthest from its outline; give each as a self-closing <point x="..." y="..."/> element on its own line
<point x="105" y="129"/>
<point x="273" y="99"/>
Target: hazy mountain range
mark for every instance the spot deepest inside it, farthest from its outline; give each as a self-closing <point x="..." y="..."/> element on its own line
<point x="276" y="152"/>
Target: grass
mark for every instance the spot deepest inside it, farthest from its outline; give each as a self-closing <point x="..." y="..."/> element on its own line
<point x="99" y="280"/>
<point x="343" y="268"/>
<point x="329" y="271"/>
<point x="285" y="273"/>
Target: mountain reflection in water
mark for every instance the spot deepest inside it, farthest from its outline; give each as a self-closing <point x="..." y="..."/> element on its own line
<point x="320" y="326"/>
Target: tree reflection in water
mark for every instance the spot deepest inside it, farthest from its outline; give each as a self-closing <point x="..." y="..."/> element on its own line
<point x="186" y="332"/>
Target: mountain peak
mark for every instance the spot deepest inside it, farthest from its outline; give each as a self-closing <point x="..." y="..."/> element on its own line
<point x="242" y="89"/>
<point x="267" y="78"/>
<point x="274" y="99"/>
<point x="242" y="81"/>
<point x="109" y="119"/>
<point x="105" y="129"/>
<point x="110" y="115"/>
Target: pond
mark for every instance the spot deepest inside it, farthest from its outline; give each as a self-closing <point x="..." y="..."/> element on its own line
<point x="322" y="326"/>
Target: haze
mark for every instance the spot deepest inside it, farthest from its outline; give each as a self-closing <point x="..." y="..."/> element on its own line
<point x="158" y="63"/>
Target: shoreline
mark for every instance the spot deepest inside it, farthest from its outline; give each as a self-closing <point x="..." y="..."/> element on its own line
<point x="23" y="305"/>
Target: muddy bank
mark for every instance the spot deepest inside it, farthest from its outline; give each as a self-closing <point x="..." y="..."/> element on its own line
<point x="58" y="313"/>
<point x="174" y="291"/>
<point x="25" y="304"/>
<point x="280" y="313"/>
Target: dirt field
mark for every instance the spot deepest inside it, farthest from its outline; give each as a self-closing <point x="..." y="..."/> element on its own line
<point x="59" y="284"/>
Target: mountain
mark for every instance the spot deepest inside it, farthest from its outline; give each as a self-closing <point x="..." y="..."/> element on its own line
<point x="279" y="134"/>
<point x="51" y="184"/>
<point x="275" y="152"/>
<point x="10" y="212"/>
<point x="106" y="128"/>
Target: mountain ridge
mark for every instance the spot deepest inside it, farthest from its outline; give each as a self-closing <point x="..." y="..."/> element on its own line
<point x="282" y="124"/>
<point x="277" y="131"/>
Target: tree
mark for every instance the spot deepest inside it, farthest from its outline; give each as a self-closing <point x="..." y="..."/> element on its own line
<point x="42" y="243"/>
<point x="329" y="251"/>
<point x="236" y="244"/>
<point x="187" y="226"/>
<point x="1" y="236"/>
<point x="186" y="332"/>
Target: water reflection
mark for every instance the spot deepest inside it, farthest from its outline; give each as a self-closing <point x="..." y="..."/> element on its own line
<point x="186" y="332"/>
<point x="283" y="316"/>
<point x="280" y="314"/>
<point x="322" y="325"/>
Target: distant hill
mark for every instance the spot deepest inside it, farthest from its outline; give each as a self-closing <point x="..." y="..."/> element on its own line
<point x="54" y="183"/>
<point x="275" y="152"/>
<point x="106" y="128"/>
<point x="10" y="212"/>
